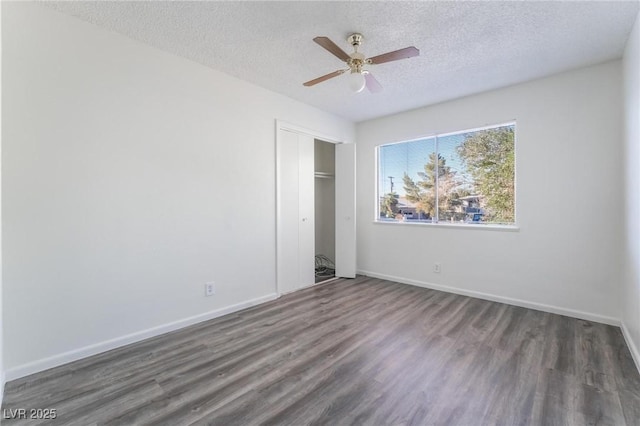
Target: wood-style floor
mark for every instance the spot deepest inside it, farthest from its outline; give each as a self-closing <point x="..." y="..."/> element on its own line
<point x="363" y="351"/>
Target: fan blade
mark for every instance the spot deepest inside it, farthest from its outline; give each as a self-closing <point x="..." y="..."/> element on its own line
<point x="407" y="52"/>
<point x="324" y="77"/>
<point x="372" y="83"/>
<point x="332" y="47"/>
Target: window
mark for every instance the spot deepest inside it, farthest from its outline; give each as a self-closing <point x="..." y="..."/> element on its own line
<point x="462" y="177"/>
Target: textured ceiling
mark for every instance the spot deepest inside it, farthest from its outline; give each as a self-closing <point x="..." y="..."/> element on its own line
<point x="466" y="47"/>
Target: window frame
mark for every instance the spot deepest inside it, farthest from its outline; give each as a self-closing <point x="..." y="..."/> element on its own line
<point x="447" y="224"/>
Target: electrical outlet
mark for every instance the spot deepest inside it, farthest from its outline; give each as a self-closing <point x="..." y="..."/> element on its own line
<point x="210" y="289"/>
<point x="436" y="268"/>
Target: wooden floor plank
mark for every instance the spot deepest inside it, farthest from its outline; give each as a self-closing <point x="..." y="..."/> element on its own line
<point x="352" y="352"/>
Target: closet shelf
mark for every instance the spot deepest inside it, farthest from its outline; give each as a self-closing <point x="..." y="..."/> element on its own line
<point x="324" y="175"/>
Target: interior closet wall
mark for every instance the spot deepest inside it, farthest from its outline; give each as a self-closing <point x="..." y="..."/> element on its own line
<point x="325" y="200"/>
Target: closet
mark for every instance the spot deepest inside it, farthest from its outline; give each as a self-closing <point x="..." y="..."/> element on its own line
<point x="325" y="209"/>
<point x="315" y="206"/>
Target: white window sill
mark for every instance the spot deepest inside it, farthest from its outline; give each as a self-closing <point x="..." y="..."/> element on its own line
<point x="474" y="226"/>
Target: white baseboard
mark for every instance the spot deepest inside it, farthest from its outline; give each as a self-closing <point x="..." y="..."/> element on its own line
<point x="494" y="298"/>
<point x="633" y="348"/>
<point x="76" y="354"/>
<point x="2" y="382"/>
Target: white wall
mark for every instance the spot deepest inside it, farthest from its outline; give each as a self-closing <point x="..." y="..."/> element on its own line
<point x="566" y="257"/>
<point x="631" y="284"/>
<point x="130" y="178"/>
<point x="2" y="375"/>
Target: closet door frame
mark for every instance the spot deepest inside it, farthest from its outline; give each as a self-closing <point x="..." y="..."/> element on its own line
<point x="285" y="126"/>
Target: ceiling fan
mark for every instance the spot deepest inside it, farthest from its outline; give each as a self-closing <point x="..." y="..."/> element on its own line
<point x="359" y="77"/>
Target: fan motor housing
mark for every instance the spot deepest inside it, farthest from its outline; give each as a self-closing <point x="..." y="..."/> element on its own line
<point x="355" y="39"/>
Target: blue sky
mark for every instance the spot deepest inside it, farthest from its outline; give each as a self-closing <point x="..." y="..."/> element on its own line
<point x="410" y="157"/>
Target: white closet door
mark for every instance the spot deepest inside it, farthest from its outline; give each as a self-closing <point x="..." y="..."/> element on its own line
<point x="288" y="217"/>
<point x="345" y="210"/>
<point x="306" y="205"/>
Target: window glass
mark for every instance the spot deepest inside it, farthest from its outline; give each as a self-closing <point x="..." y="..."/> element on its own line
<point x="464" y="177"/>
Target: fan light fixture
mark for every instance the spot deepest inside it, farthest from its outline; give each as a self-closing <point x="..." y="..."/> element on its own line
<point x="357" y="81"/>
